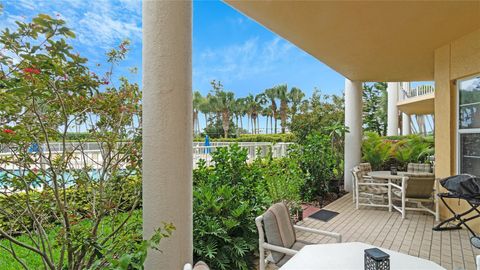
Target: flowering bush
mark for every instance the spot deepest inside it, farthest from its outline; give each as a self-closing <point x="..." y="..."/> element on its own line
<point x="50" y="183"/>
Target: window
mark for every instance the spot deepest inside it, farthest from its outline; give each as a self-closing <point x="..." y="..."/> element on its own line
<point x="469" y="125"/>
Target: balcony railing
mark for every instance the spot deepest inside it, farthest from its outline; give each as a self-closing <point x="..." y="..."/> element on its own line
<point x="418" y="91"/>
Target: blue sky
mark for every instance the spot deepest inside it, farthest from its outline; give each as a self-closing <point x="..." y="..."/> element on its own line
<point x="227" y="45"/>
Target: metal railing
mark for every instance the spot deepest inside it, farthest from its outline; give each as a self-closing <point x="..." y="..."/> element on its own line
<point x="418" y="91"/>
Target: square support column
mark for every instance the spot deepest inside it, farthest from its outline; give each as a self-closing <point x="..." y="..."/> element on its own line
<point x="353" y="120"/>
<point x="167" y="129"/>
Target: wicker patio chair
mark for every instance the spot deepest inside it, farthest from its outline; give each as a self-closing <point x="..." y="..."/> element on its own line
<point x="416" y="189"/>
<point x="369" y="191"/>
<point x="364" y="169"/>
<point x="419" y="168"/>
<point x="281" y="240"/>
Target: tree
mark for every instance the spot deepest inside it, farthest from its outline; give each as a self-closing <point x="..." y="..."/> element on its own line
<point x="257" y="107"/>
<point x="282" y="95"/>
<point x="198" y="99"/>
<point x="248" y="102"/>
<point x="267" y="112"/>
<point x="375" y="108"/>
<point x="320" y="112"/>
<point x="45" y="89"/>
<point x="271" y="94"/>
<point x="296" y="97"/>
<point x="206" y="108"/>
<point x="224" y="103"/>
<point x="239" y="112"/>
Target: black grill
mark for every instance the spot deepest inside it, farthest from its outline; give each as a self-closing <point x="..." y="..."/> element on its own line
<point x="463" y="187"/>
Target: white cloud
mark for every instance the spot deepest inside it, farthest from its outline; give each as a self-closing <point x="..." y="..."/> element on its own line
<point x="97" y="23"/>
<point x="242" y="61"/>
<point x="28" y="4"/>
<point x="104" y="30"/>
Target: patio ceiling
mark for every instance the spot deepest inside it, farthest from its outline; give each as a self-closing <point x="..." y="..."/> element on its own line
<point x="369" y="40"/>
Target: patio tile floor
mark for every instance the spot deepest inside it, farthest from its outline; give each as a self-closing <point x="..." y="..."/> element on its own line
<point x="413" y="235"/>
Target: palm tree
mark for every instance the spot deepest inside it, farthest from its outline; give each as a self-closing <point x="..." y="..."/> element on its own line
<point x="282" y="94"/>
<point x="295" y="96"/>
<point x="197" y="101"/>
<point x="258" y="103"/>
<point x="238" y="112"/>
<point x="271" y="94"/>
<point x="206" y="108"/>
<point x="267" y="112"/>
<point x="248" y="103"/>
<point x="228" y="102"/>
<point x="224" y="103"/>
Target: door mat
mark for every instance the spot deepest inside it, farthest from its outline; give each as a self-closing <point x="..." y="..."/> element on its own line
<point x="324" y="215"/>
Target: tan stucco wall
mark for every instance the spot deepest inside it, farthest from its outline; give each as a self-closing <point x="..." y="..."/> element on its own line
<point x="460" y="58"/>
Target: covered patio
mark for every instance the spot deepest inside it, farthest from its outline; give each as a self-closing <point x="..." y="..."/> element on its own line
<point x="413" y="235"/>
<point x="365" y="41"/>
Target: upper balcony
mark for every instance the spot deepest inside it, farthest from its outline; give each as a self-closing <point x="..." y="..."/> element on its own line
<point x="419" y="100"/>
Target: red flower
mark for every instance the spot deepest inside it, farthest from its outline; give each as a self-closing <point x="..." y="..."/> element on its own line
<point x="105" y="82"/>
<point x="31" y="70"/>
<point x="8" y="131"/>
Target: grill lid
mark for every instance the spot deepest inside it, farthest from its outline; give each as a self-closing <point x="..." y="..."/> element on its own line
<point x="465" y="185"/>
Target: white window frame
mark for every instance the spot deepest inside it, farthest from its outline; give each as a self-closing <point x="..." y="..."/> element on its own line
<point x="464" y="130"/>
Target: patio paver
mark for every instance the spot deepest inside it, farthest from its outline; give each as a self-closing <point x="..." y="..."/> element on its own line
<point x="413" y="235"/>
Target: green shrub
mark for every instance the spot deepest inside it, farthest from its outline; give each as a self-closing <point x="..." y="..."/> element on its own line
<point x="382" y="152"/>
<point x="273" y="138"/>
<point x="284" y="180"/>
<point x="319" y="162"/>
<point x="376" y="150"/>
<point x="413" y="148"/>
<point x="226" y="199"/>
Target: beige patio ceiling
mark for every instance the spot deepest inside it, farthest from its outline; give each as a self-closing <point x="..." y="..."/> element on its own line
<point x="369" y="40"/>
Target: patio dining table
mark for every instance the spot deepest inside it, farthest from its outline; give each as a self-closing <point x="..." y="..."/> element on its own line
<point x="350" y="256"/>
<point x="387" y="175"/>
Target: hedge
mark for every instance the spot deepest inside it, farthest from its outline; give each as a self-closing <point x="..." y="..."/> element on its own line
<point x="274" y="138"/>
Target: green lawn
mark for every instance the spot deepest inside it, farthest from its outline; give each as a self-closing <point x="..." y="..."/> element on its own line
<point x="33" y="261"/>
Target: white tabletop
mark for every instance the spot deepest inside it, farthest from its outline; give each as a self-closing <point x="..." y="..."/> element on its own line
<point x="386" y="175"/>
<point x="350" y="256"/>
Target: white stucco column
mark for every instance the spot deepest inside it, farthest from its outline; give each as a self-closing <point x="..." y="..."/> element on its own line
<point x="392" y="113"/>
<point x="406" y="126"/>
<point x="167" y="129"/>
<point x="353" y="120"/>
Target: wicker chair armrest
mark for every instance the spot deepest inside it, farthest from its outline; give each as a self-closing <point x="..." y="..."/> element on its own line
<point x="280" y="249"/>
<point x="326" y="233"/>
